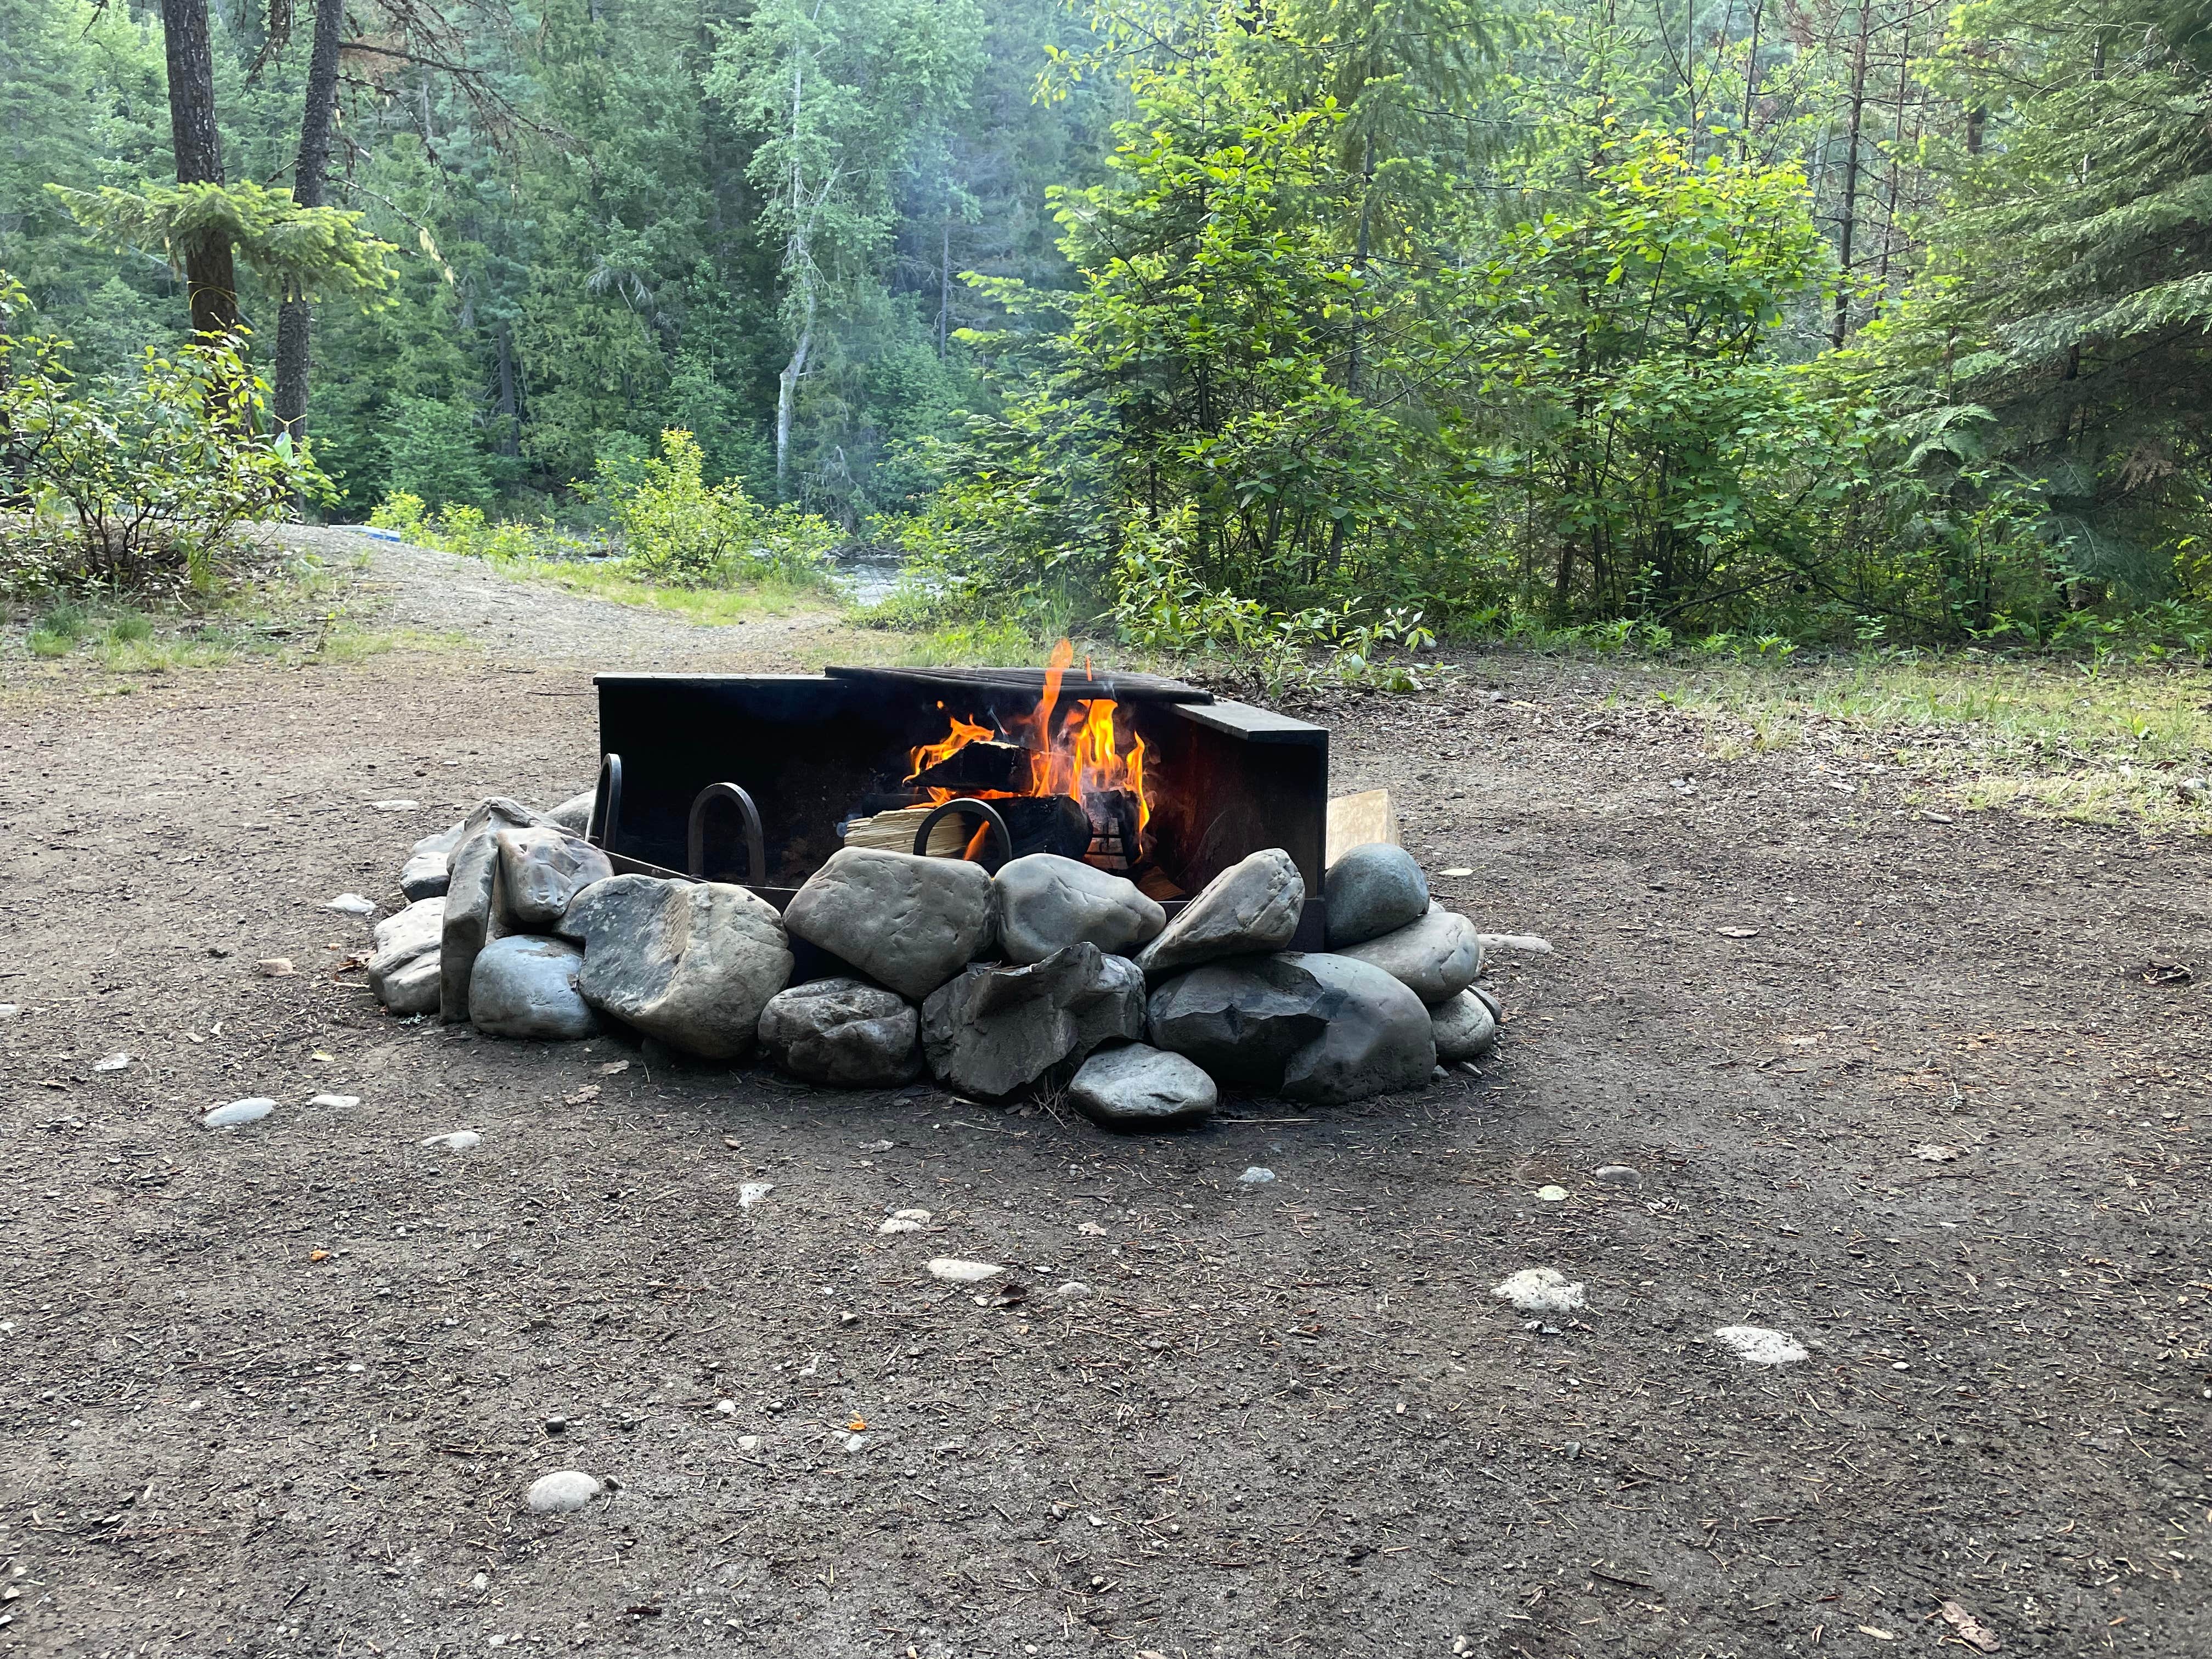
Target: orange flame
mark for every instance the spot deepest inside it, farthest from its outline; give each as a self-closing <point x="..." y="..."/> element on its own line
<point x="1074" y="752"/>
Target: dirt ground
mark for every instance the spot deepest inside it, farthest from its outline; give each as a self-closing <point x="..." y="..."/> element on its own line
<point x="280" y="1391"/>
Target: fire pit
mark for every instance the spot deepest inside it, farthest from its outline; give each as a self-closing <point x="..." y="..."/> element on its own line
<point x="1023" y="881"/>
<point x="1144" y="776"/>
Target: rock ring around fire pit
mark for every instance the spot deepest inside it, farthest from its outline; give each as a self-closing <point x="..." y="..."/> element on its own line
<point x="1056" y="972"/>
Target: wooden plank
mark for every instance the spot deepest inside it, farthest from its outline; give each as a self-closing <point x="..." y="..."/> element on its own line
<point x="1361" y="820"/>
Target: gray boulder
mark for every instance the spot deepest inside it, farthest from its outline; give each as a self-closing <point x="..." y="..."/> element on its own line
<point x="523" y="987"/>
<point x="842" y="1031"/>
<point x="472" y="914"/>
<point x="1135" y="1087"/>
<point x="404" y="940"/>
<point x="1465" y="1026"/>
<point x="1248" y="908"/>
<point x="423" y="875"/>
<point x="540" y="871"/>
<point x="1373" y="891"/>
<point x="412" y="990"/>
<point x="1047" y="902"/>
<point x="1240" y="1020"/>
<point x="1377" y="1037"/>
<point x="994" y="1031"/>
<point x="908" y="922"/>
<point x="573" y="814"/>
<point x="691" y="962"/>
<point x="1312" y="1027"/>
<point x="1436" y="957"/>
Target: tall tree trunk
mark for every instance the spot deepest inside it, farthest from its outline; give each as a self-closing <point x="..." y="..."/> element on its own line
<point x="211" y="278"/>
<point x="1852" y="174"/>
<point x="787" y="392"/>
<point x="510" y="404"/>
<point x="294" y="318"/>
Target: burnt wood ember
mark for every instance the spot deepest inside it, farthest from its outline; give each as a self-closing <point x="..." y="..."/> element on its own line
<point x="980" y="766"/>
<point x="1044" y="824"/>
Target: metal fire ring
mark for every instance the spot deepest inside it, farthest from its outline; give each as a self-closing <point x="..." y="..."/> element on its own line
<point x="748" y="817"/>
<point x="966" y="804"/>
<point x="606" y="804"/>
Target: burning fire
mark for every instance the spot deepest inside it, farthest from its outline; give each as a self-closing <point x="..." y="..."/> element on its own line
<point x="1074" y="749"/>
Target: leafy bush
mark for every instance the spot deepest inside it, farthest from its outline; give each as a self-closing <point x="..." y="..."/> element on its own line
<point x="125" y="483"/>
<point x="680" y="530"/>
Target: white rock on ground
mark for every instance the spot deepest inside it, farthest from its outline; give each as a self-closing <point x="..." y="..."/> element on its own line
<point x="112" y="1063"/>
<point x="957" y="1272"/>
<point x="1758" y="1345"/>
<point x="239" y="1113"/>
<point x="334" y="1100"/>
<point x="561" y="1490"/>
<point x="352" y="904"/>
<point x="457" y="1140"/>
<point x="1257" y="1176"/>
<point x="1527" y="944"/>
<point x="1540" y="1290"/>
<point x="1074" y="1291"/>
<point x="905" y="1221"/>
<point x="1551" y="1194"/>
<point x="752" y="1192"/>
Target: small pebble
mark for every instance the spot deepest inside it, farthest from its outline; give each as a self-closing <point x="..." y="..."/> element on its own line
<point x="957" y="1272"/>
<point x="397" y="805"/>
<point x="352" y="904"/>
<point x="335" y="1100"/>
<point x="112" y="1063"/>
<point x="905" y="1221"/>
<point x="727" y="1407"/>
<point x="1074" y="1291"/>
<point x="855" y="1442"/>
<point x="1900" y="1365"/>
<point x="562" y="1490"/>
<point x="11" y="1011"/>
<point x="1455" y="871"/>
<point x="1552" y="1194"/>
<point x="274" y="967"/>
<point x="1756" y="1345"/>
<point x="748" y="1442"/>
<point x="1540" y="1290"/>
<point x="1528" y="943"/>
<point x="1256" y="1176"/>
<point x="458" y="1140"/>
<point x="556" y="1425"/>
<point x="239" y="1112"/>
<point x="1618" y="1174"/>
<point x="752" y="1192"/>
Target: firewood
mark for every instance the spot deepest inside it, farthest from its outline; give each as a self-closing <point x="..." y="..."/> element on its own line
<point x="1000" y="767"/>
<point x="893" y="832"/>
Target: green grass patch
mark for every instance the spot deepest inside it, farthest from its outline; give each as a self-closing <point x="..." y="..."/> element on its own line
<point x="618" y="583"/>
<point x="2099" y="745"/>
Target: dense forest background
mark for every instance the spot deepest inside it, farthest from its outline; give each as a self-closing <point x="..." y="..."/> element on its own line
<point x="1274" y="319"/>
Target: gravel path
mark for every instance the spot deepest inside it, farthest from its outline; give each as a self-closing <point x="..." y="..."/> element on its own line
<point x="420" y="589"/>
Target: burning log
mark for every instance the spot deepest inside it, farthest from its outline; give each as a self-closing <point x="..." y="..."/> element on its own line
<point x="978" y="768"/>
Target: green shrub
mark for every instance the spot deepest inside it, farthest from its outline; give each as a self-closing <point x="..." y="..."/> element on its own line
<point x="150" y="479"/>
<point x="679" y="529"/>
<point x="130" y="627"/>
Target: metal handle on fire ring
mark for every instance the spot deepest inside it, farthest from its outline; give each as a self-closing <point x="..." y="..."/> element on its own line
<point x="966" y="804"/>
<point x="606" y="804"/>
<point x="748" y="816"/>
